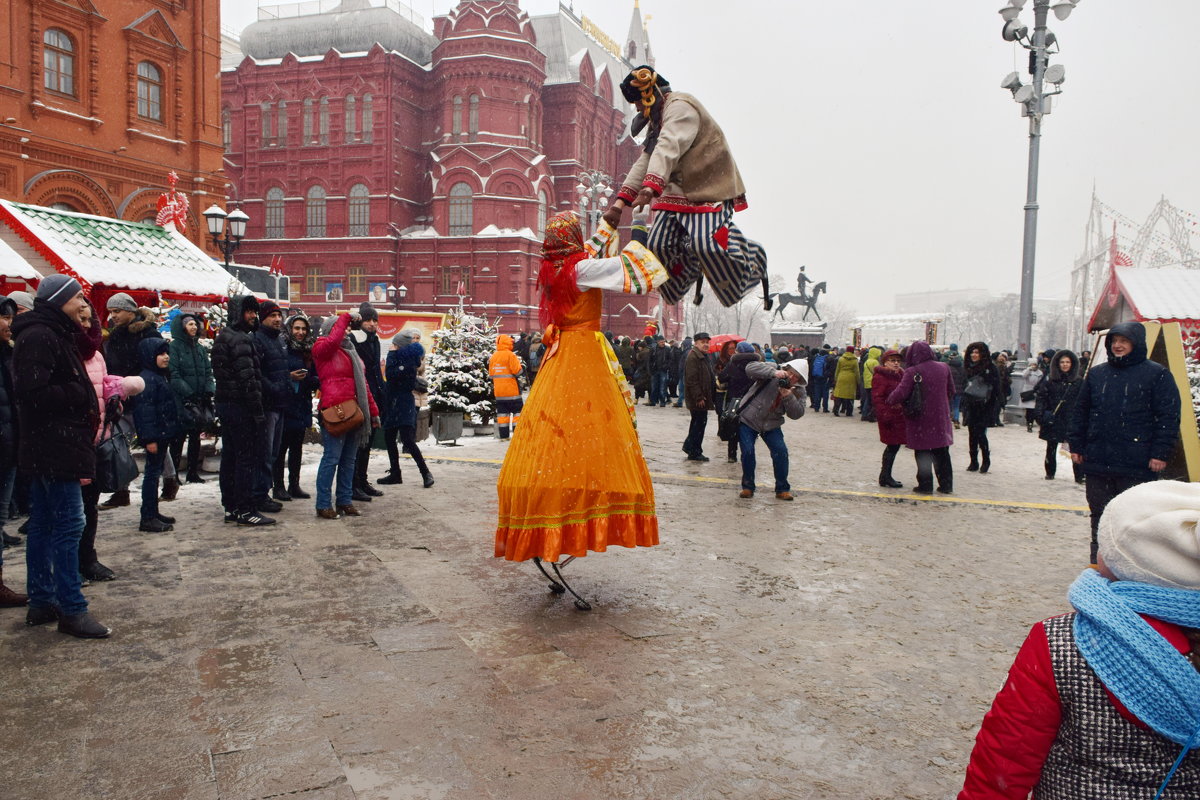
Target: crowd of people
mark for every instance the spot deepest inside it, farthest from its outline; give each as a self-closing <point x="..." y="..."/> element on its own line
<point x="75" y="395"/>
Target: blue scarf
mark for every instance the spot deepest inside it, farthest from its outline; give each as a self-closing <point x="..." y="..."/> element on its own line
<point x="1147" y="674"/>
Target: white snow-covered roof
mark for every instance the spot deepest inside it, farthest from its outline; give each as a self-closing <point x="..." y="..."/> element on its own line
<point x="117" y="253"/>
<point x="12" y="263"/>
<point x="1162" y="293"/>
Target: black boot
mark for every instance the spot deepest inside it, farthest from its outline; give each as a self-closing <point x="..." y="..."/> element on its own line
<point x="1051" y="467"/>
<point x="194" y="477"/>
<point x="427" y="478"/>
<point x="987" y="459"/>
<point x="393" y="477"/>
<point x="296" y="492"/>
<point x="974" y="465"/>
<point x="885" y="473"/>
<point x="281" y="494"/>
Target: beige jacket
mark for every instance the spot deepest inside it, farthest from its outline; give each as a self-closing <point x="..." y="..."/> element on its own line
<point x="691" y="168"/>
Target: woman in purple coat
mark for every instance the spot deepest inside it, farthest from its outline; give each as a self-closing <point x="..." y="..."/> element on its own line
<point x="892" y="428"/>
<point x="930" y="434"/>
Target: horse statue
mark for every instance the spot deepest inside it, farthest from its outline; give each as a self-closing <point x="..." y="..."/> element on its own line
<point x="809" y="303"/>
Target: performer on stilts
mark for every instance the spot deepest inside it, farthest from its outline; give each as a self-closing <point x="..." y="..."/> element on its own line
<point x="687" y="174"/>
<point x="574" y="478"/>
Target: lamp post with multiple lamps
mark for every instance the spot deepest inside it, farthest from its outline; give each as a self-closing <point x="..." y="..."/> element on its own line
<point x="594" y="189"/>
<point x="397" y="294"/>
<point x="1035" y="103"/>
<point x="216" y="217"/>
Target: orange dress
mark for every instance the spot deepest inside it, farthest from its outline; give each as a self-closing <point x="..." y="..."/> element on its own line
<point x="574" y="479"/>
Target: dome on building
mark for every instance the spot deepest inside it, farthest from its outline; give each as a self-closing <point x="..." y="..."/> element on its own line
<point x="354" y="26"/>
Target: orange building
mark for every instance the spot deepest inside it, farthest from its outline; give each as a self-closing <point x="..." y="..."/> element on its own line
<point x="99" y="99"/>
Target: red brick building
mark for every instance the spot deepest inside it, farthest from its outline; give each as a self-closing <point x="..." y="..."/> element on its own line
<point x="100" y="98"/>
<point x="369" y="153"/>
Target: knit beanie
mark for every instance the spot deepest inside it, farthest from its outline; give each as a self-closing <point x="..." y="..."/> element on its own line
<point x="368" y="312"/>
<point x="1149" y="534"/>
<point x="8" y="306"/>
<point x="121" y="302"/>
<point x="268" y="307"/>
<point x="405" y="337"/>
<point x="745" y="347"/>
<point x="22" y="299"/>
<point x="57" y="289"/>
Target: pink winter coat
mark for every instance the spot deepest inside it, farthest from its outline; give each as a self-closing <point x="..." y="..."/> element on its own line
<point x="109" y="386"/>
<point x="335" y="368"/>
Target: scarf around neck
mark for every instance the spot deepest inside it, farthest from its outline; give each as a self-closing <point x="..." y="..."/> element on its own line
<point x="1157" y="683"/>
<point x="360" y="390"/>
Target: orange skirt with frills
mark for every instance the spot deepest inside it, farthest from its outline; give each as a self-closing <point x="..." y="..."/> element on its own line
<point x="574" y="479"/>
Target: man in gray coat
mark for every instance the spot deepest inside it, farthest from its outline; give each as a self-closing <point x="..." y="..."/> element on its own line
<point x="776" y="394"/>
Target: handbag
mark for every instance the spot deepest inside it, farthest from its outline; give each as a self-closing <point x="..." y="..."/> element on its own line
<point x="200" y="414"/>
<point x="421" y="386"/>
<point x="914" y="404"/>
<point x="115" y="467"/>
<point x="1028" y="395"/>
<point x="730" y="419"/>
<point x="341" y="418"/>
<point x="977" y="390"/>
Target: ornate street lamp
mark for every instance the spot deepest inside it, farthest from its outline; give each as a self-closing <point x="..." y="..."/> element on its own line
<point x="594" y="189"/>
<point x="397" y="294"/>
<point x="237" y="218"/>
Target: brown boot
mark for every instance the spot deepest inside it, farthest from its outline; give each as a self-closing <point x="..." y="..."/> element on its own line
<point x="170" y="488"/>
<point x="327" y="513"/>
<point x="9" y="598"/>
<point x="349" y="511"/>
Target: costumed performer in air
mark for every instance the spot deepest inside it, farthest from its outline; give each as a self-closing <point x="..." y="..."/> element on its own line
<point x="687" y="174"/>
<point x="574" y="479"/>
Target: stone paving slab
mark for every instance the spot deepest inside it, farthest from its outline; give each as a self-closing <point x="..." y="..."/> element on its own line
<point x="844" y="645"/>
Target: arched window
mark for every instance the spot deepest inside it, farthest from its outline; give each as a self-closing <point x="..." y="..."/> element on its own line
<point x="314" y="212"/>
<point x="61" y="206"/>
<point x="351" y="119"/>
<point x="227" y="129"/>
<point x="267" y="138"/>
<point x="323" y="121"/>
<point x="281" y="125"/>
<point x="274" y="213"/>
<point x="543" y="202"/>
<point x="307" y="123"/>
<point x="359" y="211"/>
<point x="368" y="117"/>
<point x="456" y="119"/>
<point x="58" y="62"/>
<point x="461" y="223"/>
<point x="473" y="118"/>
<point x="149" y="91"/>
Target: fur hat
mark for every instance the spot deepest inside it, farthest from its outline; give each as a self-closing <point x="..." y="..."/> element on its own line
<point x="1151" y="534"/>
<point x="57" y="289"/>
<point x="121" y="302"/>
<point x="368" y="312"/>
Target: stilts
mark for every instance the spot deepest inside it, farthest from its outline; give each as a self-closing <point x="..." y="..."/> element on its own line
<point x="559" y="586"/>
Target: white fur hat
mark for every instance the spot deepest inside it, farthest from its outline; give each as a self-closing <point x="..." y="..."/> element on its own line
<point x="1151" y="534"/>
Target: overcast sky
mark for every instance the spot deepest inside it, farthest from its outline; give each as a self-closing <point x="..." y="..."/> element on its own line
<point x="878" y="148"/>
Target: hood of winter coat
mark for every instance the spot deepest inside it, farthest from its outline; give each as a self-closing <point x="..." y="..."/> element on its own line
<point x="89" y="340"/>
<point x="1134" y="332"/>
<point x="504" y="342"/>
<point x="744" y="358"/>
<point x="874" y="353"/>
<point x="145" y="319"/>
<point x="1057" y="374"/>
<point x="148" y="351"/>
<point x="984" y="359"/>
<point x="411" y="354"/>
<point x="918" y="353"/>
<point x="238" y="304"/>
<point x="303" y="347"/>
<point x="848" y="357"/>
<point x="177" y="331"/>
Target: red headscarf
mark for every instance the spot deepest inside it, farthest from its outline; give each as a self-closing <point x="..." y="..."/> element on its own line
<point x="562" y="249"/>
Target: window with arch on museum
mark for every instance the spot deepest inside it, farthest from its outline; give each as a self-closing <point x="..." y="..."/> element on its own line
<point x="281" y="125"/>
<point x="58" y="62"/>
<point x="456" y="118"/>
<point x="314" y="212"/>
<point x="323" y="120"/>
<point x="368" y="117"/>
<point x="543" y="204"/>
<point x="63" y="206"/>
<point x="473" y="117"/>
<point x="356" y="280"/>
<point x="461" y="210"/>
<point x="268" y="117"/>
<point x="351" y="119"/>
<point x="359" y="211"/>
<point x="312" y="280"/>
<point x="306" y="122"/>
<point x="273" y="216"/>
<point x="227" y="129"/>
<point x="149" y="91"/>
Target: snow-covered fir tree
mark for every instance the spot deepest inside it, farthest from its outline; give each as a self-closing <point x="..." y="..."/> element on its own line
<point x="458" y="366"/>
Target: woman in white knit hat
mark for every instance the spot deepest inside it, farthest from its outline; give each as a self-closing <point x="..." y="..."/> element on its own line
<point x="1105" y="702"/>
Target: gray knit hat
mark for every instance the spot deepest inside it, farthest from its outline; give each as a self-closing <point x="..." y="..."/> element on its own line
<point x="122" y="302"/>
<point x="368" y="312"/>
<point x="57" y="289"/>
<point x="22" y="299"/>
<point x="405" y="337"/>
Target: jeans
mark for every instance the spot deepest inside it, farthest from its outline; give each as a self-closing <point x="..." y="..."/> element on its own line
<point x="340" y="454"/>
<point x="1100" y="490"/>
<point x="867" y="407"/>
<point x="8" y="478"/>
<point x="820" y="393"/>
<point x="658" y="388"/>
<point x="154" y="470"/>
<point x="693" y="445"/>
<point x="52" y="545"/>
<point x="679" y="391"/>
<point x="779" y="456"/>
<point x="91" y="517"/>
<point x="272" y="438"/>
<point x="955" y="406"/>
<point x="240" y="453"/>
<point x="934" y="461"/>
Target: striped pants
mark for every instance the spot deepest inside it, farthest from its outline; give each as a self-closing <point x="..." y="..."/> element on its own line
<point x="709" y="244"/>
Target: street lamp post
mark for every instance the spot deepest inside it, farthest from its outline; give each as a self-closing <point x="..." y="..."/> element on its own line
<point x="397" y="294"/>
<point x="1035" y="103"/>
<point x="594" y="189"/>
<point x="216" y="217"/>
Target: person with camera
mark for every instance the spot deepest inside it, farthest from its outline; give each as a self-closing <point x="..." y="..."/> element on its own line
<point x="775" y="394"/>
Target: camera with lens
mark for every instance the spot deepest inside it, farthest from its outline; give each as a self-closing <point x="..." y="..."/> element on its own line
<point x="784" y="383"/>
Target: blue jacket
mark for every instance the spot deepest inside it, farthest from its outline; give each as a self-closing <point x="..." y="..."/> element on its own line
<point x="400" y="407"/>
<point x="1127" y="411"/>
<point x="272" y="359"/>
<point x="155" y="410"/>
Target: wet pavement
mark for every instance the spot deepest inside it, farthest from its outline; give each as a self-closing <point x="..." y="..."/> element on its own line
<point x="844" y="645"/>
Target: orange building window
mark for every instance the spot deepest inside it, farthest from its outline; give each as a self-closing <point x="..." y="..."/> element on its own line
<point x="58" y="62"/>
<point x="149" y="91"/>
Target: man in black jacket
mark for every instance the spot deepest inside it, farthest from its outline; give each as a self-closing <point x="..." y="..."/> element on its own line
<point x="1126" y="421"/>
<point x="276" y="394"/>
<point x="366" y="343"/>
<point x="57" y="418"/>
<point x="240" y="408"/>
<point x="129" y="325"/>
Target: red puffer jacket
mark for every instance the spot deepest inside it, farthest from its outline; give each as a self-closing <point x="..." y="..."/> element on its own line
<point x="1023" y="723"/>
<point x="335" y="369"/>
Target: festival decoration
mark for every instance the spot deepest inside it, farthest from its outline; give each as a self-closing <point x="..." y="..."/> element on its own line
<point x="172" y="205"/>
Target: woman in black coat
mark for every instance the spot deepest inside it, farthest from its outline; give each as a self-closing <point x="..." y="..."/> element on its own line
<point x="978" y="403"/>
<point x="1055" y="406"/>
<point x="298" y="416"/>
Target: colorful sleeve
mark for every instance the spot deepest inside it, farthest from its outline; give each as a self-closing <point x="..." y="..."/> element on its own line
<point x="603" y="243"/>
<point x="633" y="181"/>
<point x="635" y="270"/>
